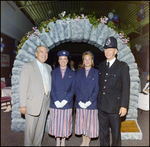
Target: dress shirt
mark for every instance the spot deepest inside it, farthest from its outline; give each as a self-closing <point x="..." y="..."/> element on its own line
<point x="87" y="71"/>
<point x="45" y="70"/>
<point x="63" y="71"/>
<point x="111" y="62"/>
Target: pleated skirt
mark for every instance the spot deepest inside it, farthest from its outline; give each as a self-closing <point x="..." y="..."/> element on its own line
<point x="60" y="122"/>
<point x="86" y="122"/>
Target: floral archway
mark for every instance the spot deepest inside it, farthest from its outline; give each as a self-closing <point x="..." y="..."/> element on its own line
<point x="75" y="29"/>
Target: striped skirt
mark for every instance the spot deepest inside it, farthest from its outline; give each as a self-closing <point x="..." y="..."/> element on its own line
<point x="60" y="122"/>
<point x="87" y="122"/>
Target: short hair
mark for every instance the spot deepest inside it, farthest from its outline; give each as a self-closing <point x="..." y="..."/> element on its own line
<point x="36" y="50"/>
<point x="72" y="60"/>
<point x="90" y="54"/>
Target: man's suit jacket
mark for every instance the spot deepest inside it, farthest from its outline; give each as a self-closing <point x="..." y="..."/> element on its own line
<point x="87" y="88"/>
<point x="114" y="83"/>
<point x="63" y="89"/>
<point x="31" y="87"/>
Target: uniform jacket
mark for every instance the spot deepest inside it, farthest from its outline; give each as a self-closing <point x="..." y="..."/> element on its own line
<point x="114" y="83"/>
<point x="62" y="89"/>
<point x="87" y="87"/>
<point x="31" y="87"/>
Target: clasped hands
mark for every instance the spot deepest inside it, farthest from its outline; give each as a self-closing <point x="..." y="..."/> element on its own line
<point x="84" y="105"/>
<point x="61" y="104"/>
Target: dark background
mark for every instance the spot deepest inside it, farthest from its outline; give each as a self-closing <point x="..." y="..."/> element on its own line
<point x="76" y="50"/>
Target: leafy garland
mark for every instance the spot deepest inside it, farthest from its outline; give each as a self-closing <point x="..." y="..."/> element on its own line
<point x="92" y="19"/>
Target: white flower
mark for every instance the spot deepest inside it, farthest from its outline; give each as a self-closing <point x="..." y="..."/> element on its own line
<point x="63" y="13"/>
<point x="77" y="18"/>
<point x="83" y="17"/>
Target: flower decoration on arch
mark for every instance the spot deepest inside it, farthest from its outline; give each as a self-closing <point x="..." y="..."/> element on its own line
<point x="104" y="20"/>
<point x="35" y="31"/>
<point x="28" y="35"/>
<point x="92" y="19"/>
<point x="77" y="18"/>
<point x="125" y="41"/>
<point x="124" y="38"/>
<point x="83" y="17"/>
<point x="63" y="13"/>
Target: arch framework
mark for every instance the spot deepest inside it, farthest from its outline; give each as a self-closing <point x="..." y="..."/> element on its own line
<point x="75" y="31"/>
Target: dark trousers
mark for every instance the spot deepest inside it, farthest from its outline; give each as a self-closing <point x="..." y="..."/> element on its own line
<point x="107" y="121"/>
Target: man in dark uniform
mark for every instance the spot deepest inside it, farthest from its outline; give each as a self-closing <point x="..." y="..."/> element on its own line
<point x="113" y="97"/>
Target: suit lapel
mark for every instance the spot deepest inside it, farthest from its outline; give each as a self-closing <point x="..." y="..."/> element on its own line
<point x="65" y="79"/>
<point x="59" y="77"/>
<point x="114" y="65"/>
<point x="38" y="73"/>
<point x="87" y="79"/>
<point x="83" y="76"/>
<point x="59" y="73"/>
<point x="90" y="75"/>
<point x="105" y="66"/>
<point x="66" y="73"/>
<point x="49" y="72"/>
<point x="91" y="72"/>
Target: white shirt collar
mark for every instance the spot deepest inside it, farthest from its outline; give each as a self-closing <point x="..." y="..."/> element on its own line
<point x="39" y="63"/>
<point x="111" y="62"/>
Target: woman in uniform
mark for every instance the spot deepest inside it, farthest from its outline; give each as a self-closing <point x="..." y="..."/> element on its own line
<point x="86" y="123"/>
<point x="61" y="101"/>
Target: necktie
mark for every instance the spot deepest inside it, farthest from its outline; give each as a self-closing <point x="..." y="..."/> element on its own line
<point x="87" y="71"/>
<point x="108" y="64"/>
<point x="63" y="72"/>
<point x="45" y="81"/>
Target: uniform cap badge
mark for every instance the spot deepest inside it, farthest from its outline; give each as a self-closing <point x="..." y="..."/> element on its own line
<point x="108" y="41"/>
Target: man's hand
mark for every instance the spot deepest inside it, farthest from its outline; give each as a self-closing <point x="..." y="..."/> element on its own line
<point x="23" y="110"/>
<point x="122" y="111"/>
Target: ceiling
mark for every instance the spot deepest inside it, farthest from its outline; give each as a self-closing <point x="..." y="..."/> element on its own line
<point x="38" y="11"/>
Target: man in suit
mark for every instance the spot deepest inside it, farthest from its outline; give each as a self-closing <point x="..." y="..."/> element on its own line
<point x="114" y="91"/>
<point x="34" y="96"/>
